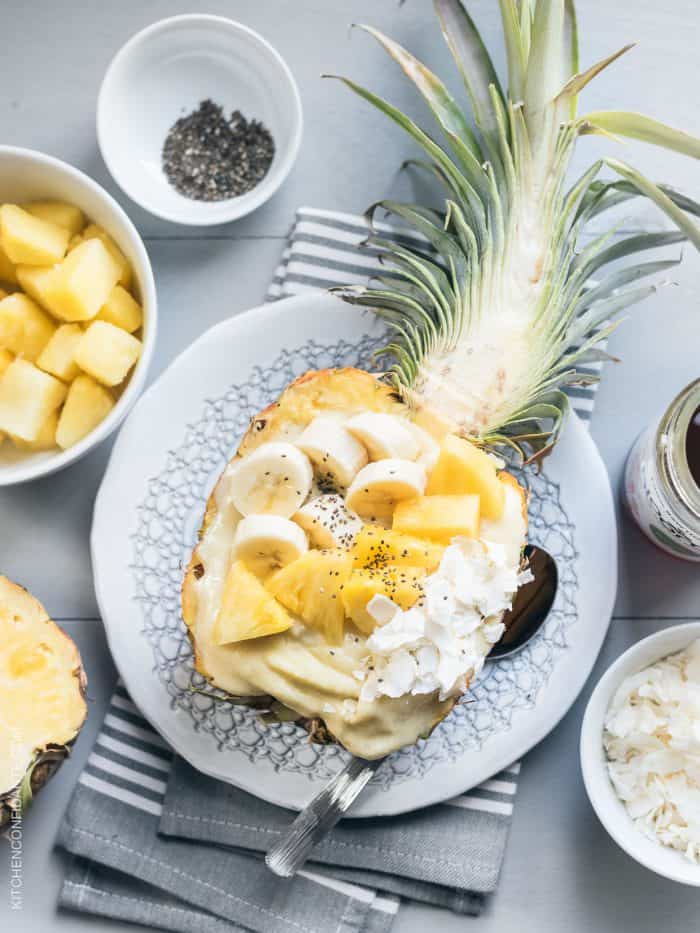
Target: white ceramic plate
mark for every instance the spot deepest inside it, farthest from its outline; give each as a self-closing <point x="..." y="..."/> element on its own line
<point x="149" y="508"/>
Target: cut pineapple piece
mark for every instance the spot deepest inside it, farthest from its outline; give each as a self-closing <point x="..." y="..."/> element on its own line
<point x="439" y="518"/>
<point x="57" y="357"/>
<point x="24" y="328"/>
<point x="78" y="287"/>
<point x="87" y="404"/>
<point x="58" y="212"/>
<point x="30" y="240"/>
<point x="464" y="468"/>
<point x="34" y="280"/>
<point x="401" y="584"/>
<point x="247" y="609"/>
<point x="107" y="352"/>
<point x="121" y="310"/>
<point x="45" y="439"/>
<point x="5" y="359"/>
<point x="311" y="587"/>
<point x="27" y="397"/>
<point x="376" y="546"/>
<point x="93" y="232"/>
<point x="7" y="268"/>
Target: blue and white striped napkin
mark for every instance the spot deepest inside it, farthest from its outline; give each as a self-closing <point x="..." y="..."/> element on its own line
<point x="157" y="843"/>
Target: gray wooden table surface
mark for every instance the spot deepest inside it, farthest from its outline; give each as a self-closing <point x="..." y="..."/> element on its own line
<point x="561" y="872"/>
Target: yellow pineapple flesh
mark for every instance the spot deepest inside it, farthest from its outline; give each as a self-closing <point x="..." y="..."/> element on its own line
<point x="376" y="546"/>
<point x="463" y="468"/>
<point x="312" y="588"/>
<point x="247" y="609"/>
<point x="400" y="583"/>
<point x="438" y="518"/>
<point x="29" y="239"/>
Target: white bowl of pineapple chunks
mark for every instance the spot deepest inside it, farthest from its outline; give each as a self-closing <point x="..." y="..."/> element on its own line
<point x="77" y="314"/>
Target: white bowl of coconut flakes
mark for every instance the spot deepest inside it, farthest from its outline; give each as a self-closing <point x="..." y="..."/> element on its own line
<point x="640" y="752"/>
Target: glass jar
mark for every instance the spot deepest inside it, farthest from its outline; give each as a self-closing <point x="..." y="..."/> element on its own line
<point x="659" y="487"/>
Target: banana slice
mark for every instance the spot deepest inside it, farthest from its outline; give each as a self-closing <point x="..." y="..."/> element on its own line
<point x="428" y="447"/>
<point x="274" y="480"/>
<point x="377" y="488"/>
<point x="328" y="522"/>
<point x="336" y="454"/>
<point x="384" y="435"/>
<point x="267" y="542"/>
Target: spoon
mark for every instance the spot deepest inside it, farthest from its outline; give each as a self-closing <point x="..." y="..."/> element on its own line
<point x="531" y="606"/>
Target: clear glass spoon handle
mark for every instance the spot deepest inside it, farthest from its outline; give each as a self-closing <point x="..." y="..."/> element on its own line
<point x="288" y="855"/>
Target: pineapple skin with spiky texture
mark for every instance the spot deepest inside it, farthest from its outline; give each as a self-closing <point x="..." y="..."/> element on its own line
<point x="298" y="667"/>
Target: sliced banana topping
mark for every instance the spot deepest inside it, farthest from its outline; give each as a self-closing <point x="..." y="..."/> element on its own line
<point x="428" y="447"/>
<point x="336" y="454"/>
<point x="377" y="488"/>
<point x="274" y="480"/>
<point x="384" y="435"/>
<point x="328" y="522"/>
<point x="267" y="542"/>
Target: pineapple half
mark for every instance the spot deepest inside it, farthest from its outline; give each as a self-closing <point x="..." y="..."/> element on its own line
<point x="309" y="669"/>
<point x="494" y="317"/>
<point x="42" y="698"/>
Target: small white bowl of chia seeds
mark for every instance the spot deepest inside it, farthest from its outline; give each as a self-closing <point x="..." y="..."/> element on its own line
<point x="199" y="119"/>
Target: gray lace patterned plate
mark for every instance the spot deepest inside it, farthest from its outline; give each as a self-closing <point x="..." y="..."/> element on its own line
<point x="170" y="514"/>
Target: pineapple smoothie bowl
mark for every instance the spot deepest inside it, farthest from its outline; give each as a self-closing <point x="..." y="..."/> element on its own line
<point x="77" y="315"/>
<point x="354" y="564"/>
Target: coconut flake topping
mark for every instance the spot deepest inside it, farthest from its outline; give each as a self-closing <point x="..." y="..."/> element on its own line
<point x="441" y="642"/>
<point x="652" y="740"/>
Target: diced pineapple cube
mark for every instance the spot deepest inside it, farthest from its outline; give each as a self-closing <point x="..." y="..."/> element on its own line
<point x="45" y="439"/>
<point x="401" y="584"/>
<point x="121" y="310"/>
<point x="57" y="357"/>
<point x="77" y="288"/>
<point x="34" y="281"/>
<point x="24" y="328"/>
<point x="93" y="232"/>
<point x="7" y="268"/>
<point x="375" y="546"/>
<point x="27" y="397"/>
<point x="463" y="468"/>
<point x="439" y="518"/>
<point x="59" y="213"/>
<point x="5" y="359"/>
<point x="30" y="240"/>
<point x="311" y="587"/>
<point x="107" y="352"/>
<point x="87" y="404"/>
<point x="247" y="609"/>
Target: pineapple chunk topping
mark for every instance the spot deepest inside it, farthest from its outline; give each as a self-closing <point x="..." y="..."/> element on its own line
<point x="438" y="518"/>
<point x="312" y="588"/>
<point x="78" y="287"/>
<point x="122" y="310"/>
<point x="59" y="213"/>
<point x="463" y="468"/>
<point x="57" y="357"/>
<point x="376" y="546"/>
<point x="398" y="582"/>
<point x="24" y="328"/>
<point x="247" y="609"/>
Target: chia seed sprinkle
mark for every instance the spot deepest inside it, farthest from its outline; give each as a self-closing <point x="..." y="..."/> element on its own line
<point x="208" y="157"/>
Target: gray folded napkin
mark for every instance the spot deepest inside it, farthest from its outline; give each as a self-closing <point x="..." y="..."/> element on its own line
<point x="157" y="843"/>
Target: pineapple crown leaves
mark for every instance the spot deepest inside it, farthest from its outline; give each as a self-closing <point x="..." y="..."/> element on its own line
<point x="501" y="309"/>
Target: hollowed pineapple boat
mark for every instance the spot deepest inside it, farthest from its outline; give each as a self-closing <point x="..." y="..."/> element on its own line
<point x="358" y="553"/>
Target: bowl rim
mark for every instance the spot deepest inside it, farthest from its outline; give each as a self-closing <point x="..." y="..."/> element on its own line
<point x="658" y="858"/>
<point x="266" y="188"/>
<point x="22" y="471"/>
